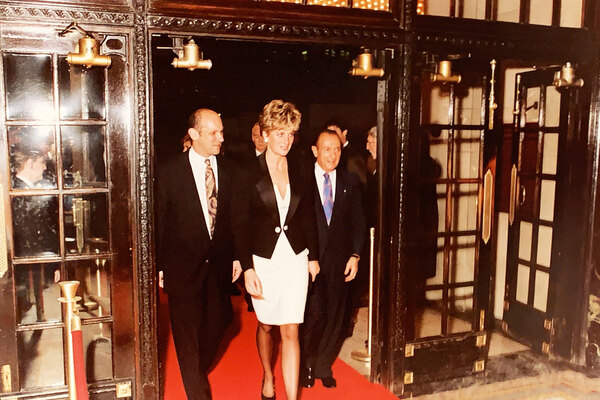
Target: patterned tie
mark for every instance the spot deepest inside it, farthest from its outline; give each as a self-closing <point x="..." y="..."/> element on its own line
<point x="327" y="197"/>
<point x="211" y="195"/>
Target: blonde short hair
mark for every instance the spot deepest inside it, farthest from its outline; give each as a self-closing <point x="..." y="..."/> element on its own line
<point x="279" y="114"/>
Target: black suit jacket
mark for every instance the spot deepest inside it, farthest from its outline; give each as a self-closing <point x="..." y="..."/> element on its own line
<point x="345" y="234"/>
<point x="184" y="249"/>
<point x="352" y="161"/>
<point x="256" y="223"/>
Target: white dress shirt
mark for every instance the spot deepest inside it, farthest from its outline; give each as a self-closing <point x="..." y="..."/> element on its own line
<point x="198" y="164"/>
<point x="319" y="172"/>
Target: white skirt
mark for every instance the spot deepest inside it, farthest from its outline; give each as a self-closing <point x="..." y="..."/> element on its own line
<point x="284" y="280"/>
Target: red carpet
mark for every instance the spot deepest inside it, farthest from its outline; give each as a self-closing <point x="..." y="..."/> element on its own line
<point x="237" y="374"/>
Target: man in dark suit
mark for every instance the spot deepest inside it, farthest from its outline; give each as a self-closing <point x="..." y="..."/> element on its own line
<point x="350" y="159"/>
<point x="341" y="227"/>
<point x="193" y="248"/>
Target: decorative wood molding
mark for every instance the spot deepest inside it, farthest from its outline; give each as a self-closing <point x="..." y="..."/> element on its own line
<point x="247" y="28"/>
<point x="45" y="13"/>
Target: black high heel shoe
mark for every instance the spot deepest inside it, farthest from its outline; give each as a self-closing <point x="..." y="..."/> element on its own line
<point x="262" y="396"/>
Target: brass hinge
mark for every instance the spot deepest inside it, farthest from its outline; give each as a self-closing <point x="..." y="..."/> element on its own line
<point x="545" y="348"/>
<point x="506" y="305"/>
<point x="481" y="340"/>
<point x="6" y="379"/>
<point x="123" y="390"/>
<point x="479" y="365"/>
<point x="548" y="324"/>
<point x="481" y="320"/>
<point x="409" y="350"/>
<point x="408" y="378"/>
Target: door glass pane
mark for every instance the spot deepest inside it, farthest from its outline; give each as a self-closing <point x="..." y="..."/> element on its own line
<point x="84" y="156"/>
<point x="441" y="202"/>
<point x="86" y="223"/>
<point x="465" y="207"/>
<point x="94" y="286"/>
<point x="552" y="107"/>
<point x="547" y="191"/>
<point x="81" y="91"/>
<point x="28" y="86"/>
<point x="474" y="9"/>
<point x="437" y="279"/>
<point x="438" y="7"/>
<point x="468" y="105"/>
<point x="436" y="103"/>
<point x="37" y="291"/>
<point x="541" y="12"/>
<point x="462" y="259"/>
<point x="522" y="283"/>
<point x="571" y="13"/>
<point x="525" y="232"/>
<point x="544" y="250"/>
<point x="466" y="154"/>
<point x="540" y="298"/>
<point x="35" y="226"/>
<point x="460" y="310"/>
<point x="97" y="348"/>
<point x="41" y="361"/>
<point x="550" y="156"/>
<point x="532" y="105"/>
<point x="32" y="157"/>
<point x="508" y="10"/>
<point x="438" y="152"/>
<point x="429" y="320"/>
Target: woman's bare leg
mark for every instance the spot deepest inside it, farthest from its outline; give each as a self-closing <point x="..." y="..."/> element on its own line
<point x="264" y="343"/>
<point x="290" y="359"/>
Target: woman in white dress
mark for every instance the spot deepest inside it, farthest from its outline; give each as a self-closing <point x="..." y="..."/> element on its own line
<point x="276" y="242"/>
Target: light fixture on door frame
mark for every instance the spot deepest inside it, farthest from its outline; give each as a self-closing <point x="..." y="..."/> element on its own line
<point x="87" y="51"/>
<point x="362" y="65"/>
<point x="188" y="55"/>
<point x="444" y="74"/>
<point x="565" y="78"/>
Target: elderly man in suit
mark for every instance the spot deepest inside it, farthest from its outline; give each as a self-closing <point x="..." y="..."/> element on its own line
<point x="341" y="228"/>
<point x="193" y="246"/>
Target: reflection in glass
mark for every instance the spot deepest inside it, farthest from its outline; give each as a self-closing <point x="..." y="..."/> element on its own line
<point x="37" y="291"/>
<point x="28" y="86"/>
<point x="94" y="287"/>
<point x="84" y="156"/>
<point x="466" y="154"/>
<point x="32" y="157"/>
<point x="460" y="310"/>
<point x="465" y="198"/>
<point x="428" y="321"/>
<point x="97" y="349"/>
<point x="35" y="226"/>
<point x="462" y="259"/>
<point x="41" y="361"/>
<point x="86" y="223"/>
<point x="81" y="91"/>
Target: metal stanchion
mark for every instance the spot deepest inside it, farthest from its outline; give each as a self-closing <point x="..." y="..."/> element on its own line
<point x="364" y="355"/>
<point x="76" y="368"/>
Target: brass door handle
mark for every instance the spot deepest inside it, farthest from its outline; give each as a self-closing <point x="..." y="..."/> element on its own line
<point x="523" y="195"/>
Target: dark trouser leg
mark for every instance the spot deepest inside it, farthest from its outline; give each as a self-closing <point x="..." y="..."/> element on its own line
<point x="187" y="317"/>
<point x="314" y="322"/>
<point x="336" y="314"/>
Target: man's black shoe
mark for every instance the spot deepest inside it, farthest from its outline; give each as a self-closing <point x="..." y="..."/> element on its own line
<point x="307" y="379"/>
<point x="329" y="382"/>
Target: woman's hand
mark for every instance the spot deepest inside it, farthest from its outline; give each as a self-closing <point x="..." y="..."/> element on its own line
<point x="253" y="286"/>
<point x="313" y="269"/>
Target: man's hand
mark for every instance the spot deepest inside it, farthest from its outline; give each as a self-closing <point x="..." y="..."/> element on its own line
<point x="253" y="286"/>
<point x="237" y="271"/>
<point x="313" y="269"/>
<point x="351" y="269"/>
<point x="161" y="280"/>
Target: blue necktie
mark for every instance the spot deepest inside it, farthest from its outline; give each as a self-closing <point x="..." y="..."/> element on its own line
<point x="327" y="198"/>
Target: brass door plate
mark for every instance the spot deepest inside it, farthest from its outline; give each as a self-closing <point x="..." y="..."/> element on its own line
<point x="408" y="378"/>
<point x="6" y="379"/>
<point x="123" y="390"/>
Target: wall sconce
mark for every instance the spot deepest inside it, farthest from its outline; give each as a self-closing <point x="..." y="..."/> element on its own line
<point x="565" y="78"/>
<point x="444" y="73"/>
<point x="188" y="55"/>
<point x="363" y="66"/>
<point x="87" y="52"/>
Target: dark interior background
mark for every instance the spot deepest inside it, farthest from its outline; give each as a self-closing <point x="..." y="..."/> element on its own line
<point x="247" y="75"/>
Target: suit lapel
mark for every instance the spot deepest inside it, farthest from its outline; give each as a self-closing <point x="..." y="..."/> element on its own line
<point x="266" y="189"/>
<point x="296" y="192"/>
<point x="340" y="191"/>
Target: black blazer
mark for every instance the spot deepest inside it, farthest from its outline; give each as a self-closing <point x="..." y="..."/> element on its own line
<point x="256" y="224"/>
<point x="184" y="251"/>
<point x="345" y="234"/>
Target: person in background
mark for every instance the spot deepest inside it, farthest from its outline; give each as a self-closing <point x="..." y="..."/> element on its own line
<point x="351" y="159"/>
<point x="341" y="226"/>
